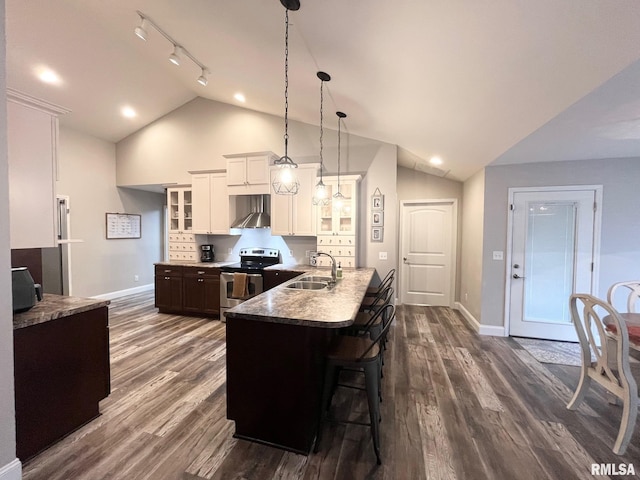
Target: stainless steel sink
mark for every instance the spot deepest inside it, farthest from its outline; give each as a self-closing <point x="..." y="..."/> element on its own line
<point x="303" y="285"/>
<point x="314" y="278"/>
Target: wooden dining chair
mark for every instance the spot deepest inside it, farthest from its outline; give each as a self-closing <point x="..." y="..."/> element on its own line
<point x="633" y="294"/>
<point x="603" y="335"/>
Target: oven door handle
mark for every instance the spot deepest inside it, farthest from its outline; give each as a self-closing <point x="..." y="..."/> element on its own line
<point x="251" y="275"/>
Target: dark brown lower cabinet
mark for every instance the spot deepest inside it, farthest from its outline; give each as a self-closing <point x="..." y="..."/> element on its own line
<point x="273" y="393"/>
<point x="201" y="290"/>
<point x="187" y="290"/>
<point x="61" y="373"/>
<point x="168" y="284"/>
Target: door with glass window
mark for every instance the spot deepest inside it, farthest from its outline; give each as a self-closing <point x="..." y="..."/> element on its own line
<point x="552" y="256"/>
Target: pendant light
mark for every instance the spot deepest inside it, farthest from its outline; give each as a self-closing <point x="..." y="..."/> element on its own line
<point x="320" y="194"/>
<point x="338" y="198"/>
<point x="285" y="181"/>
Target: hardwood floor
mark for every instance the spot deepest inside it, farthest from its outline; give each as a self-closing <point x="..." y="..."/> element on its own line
<point x="456" y="406"/>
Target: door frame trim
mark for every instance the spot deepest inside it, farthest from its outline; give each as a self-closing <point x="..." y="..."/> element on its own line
<point x="454" y="243"/>
<point x="597" y="234"/>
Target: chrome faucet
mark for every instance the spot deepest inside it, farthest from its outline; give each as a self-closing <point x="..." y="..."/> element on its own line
<point x="334" y="272"/>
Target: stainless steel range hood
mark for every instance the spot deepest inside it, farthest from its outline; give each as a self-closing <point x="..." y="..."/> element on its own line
<point x="258" y="218"/>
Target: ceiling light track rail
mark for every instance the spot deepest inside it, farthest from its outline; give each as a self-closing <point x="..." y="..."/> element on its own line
<point x="178" y="49"/>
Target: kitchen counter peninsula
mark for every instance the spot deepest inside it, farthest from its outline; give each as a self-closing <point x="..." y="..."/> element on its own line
<point x="61" y="368"/>
<point x="276" y="345"/>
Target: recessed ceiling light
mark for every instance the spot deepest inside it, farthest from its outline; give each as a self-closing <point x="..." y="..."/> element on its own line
<point x="435" y="161"/>
<point x="47" y="75"/>
<point x="240" y="97"/>
<point x="128" y="112"/>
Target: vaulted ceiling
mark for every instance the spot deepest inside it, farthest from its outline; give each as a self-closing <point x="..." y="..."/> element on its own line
<point x="470" y="81"/>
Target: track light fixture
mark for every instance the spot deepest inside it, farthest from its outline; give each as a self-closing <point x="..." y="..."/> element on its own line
<point x="175" y="56"/>
<point x="141" y="31"/>
<point x="202" y="79"/>
<point x="178" y="50"/>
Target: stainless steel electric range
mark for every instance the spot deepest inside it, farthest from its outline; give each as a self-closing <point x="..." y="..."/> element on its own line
<point x="234" y="288"/>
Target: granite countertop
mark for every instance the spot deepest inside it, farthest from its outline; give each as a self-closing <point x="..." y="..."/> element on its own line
<point x="296" y="267"/>
<point x="55" y="306"/>
<point x="195" y="264"/>
<point x="330" y="308"/>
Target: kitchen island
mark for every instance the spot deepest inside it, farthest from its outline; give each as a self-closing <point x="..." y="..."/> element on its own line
<point x="276" y="345"/>
<point x="61" y="355"/>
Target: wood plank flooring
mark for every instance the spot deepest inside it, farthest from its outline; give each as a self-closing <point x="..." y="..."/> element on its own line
<point x="456" y="406"/>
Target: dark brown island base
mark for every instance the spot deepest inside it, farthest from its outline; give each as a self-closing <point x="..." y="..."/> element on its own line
<point x="276" y="345"/>
<point x="61" y="356"/>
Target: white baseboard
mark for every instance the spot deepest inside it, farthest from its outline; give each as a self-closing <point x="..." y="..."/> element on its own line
<point x="123" y="293"/>
<point x="11" y="471"/>
<point x="490" y="330"/>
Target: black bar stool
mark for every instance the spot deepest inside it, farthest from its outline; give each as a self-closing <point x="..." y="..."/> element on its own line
<point x="362" y="354"/>
<point x="385" y="282"/>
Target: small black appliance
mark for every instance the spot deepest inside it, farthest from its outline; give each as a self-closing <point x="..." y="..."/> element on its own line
<point x="207" y="253"/>
<point x="25" y="291"/>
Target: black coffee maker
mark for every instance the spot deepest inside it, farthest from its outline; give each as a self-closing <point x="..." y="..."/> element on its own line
<point x="206" y="253"/>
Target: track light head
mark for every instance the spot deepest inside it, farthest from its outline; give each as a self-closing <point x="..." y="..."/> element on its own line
<point x="175" y="56"/>
<point x="141" y="30"/>
<point x="202" y="79"/>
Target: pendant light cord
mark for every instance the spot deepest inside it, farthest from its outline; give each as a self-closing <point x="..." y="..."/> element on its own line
<point x="339" y="135"/>
<point x="286" y="83"/>
<point x="321" y="128"/>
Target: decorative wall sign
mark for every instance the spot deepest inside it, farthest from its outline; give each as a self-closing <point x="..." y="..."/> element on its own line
<point x="377" y="215"/>
<point x="123" y="225"/>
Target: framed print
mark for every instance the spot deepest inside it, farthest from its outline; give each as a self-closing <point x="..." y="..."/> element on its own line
<point x="376" y="234"/>
<point x="377" y="202"/>
<point x="377" y="219"/>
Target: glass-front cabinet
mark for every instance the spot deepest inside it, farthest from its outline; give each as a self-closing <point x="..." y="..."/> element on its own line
<point x="338" y="217"/>
<point x="338" y="222"/>
<point x="179" y="208"/>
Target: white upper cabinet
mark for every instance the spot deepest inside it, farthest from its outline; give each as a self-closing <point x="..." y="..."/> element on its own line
<point x="32" y="138"/>
<point x="335" y="219"/>
<point x="248" y="173"/>
<point x="180" y="209"/>
<point x="211" y="206"/>
<point x="338" y="223"/>
<point x="296" y="214"/>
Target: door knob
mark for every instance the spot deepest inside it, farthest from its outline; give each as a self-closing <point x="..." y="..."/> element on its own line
<point x="515" y="275"/>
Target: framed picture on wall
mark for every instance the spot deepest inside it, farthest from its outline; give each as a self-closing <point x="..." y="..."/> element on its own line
<point x="376" y="234"/>
<point x="377" y="219"/>
<point x="377" y="202"/>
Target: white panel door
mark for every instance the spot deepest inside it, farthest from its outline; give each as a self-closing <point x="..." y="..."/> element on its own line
<point x="427" y="253"/>
<point x="551" y="258"/>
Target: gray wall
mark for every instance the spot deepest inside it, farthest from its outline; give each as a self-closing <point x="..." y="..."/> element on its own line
<point x="196" y="135"/>
<point x="472" y="244"/>
<point x="87" y="174"/>
<point x="414" y="185"/>
<point x="620" y="252"/>
<point x="7" y="408"/>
